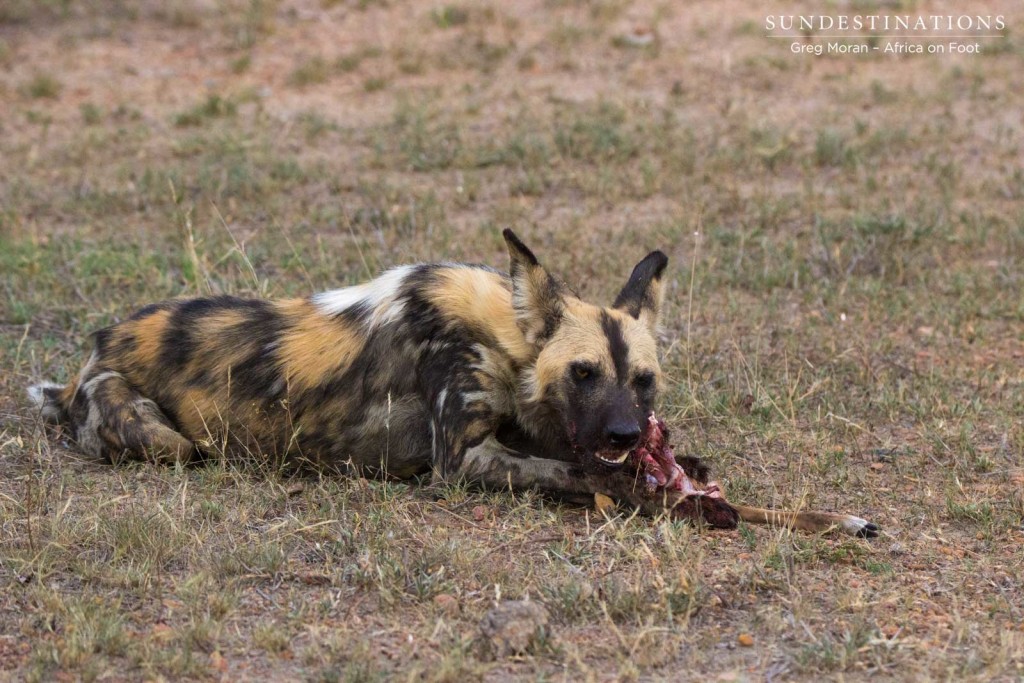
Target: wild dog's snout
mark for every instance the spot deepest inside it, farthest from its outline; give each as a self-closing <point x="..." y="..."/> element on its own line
<point x="622" y="417"/>
<point x="622" y="434"/>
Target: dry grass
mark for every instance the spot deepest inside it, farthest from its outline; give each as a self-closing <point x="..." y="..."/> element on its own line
<point x="854" y="340"/>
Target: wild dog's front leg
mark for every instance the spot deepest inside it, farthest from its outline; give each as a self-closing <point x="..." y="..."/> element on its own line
<point x="495" y="466"/>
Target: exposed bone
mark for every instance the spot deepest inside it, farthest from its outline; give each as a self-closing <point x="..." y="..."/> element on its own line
<point x="655" y="463"/>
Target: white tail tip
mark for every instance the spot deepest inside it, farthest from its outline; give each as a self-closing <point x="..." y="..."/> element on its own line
<point x="43" y="398"/>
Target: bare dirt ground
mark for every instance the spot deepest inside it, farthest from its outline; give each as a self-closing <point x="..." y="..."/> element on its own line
<point x="845" y="330"/>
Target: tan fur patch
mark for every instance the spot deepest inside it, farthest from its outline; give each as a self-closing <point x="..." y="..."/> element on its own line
<point x="315" y="346"/>
<point x="211" y="352"/>
<point x="643" y="347"/>
<point x="199" y="415"/>
<point x="149" y="333"/>
<point x="482" y="300"/>
<point x="579" y="338"/>
<point x="67" y="394"/>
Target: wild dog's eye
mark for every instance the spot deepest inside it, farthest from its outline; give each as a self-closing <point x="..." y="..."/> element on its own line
<point x="583" y="371"/>
<point x="644" y="381"/>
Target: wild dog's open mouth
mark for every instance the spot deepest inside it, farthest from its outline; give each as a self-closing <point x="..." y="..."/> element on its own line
<point x="612" y="458"/>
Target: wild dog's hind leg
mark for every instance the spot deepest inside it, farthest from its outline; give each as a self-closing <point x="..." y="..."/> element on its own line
<point x="111" y="419"/>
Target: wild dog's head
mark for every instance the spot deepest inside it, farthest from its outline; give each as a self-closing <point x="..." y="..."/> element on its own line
<point x="596" y="374"/>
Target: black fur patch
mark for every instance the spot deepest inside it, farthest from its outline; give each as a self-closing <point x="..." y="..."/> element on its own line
<point x="637" y="295"/>
<point x="354" y="316"/>
<point x="520" y="248"/>
<point x="102" y="340"/>
<point x="258" y="375"/>
<point x="617" y="346"/>
<point x="149" y="310"/>
<point x="177" y="345"/>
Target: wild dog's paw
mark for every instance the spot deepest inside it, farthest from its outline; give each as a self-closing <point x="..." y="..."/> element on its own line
<point x="713" y="510"/>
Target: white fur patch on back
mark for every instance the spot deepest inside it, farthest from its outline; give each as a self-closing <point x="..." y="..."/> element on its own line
<point x="377" y="295"/>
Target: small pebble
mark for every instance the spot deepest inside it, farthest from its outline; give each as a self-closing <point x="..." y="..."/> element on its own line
<point x="512" y="627"/>
<point x="447" y="603"/>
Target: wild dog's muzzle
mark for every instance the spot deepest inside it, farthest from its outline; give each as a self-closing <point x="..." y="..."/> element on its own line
<point x="611" y="458"/>
<point x="621" y="437"/>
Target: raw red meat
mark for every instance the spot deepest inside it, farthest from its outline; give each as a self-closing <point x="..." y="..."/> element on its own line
<point x="656" y="465"/>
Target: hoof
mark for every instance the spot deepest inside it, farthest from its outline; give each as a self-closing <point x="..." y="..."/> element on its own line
<point x="868" y="530"/>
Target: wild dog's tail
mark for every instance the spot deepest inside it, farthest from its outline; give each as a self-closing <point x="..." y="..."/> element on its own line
<point x="809" y="521"/>
<point x="48" y="397"/>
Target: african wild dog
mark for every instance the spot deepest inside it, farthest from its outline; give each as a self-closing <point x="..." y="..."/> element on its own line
<point x="455" y="370"/>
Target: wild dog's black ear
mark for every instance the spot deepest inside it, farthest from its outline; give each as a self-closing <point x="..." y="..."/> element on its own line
<point x="536" y="296"/>
<point x="643" y="294"/>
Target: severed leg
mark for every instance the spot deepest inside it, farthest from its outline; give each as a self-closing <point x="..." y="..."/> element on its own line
<point x="655" y="462"/>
